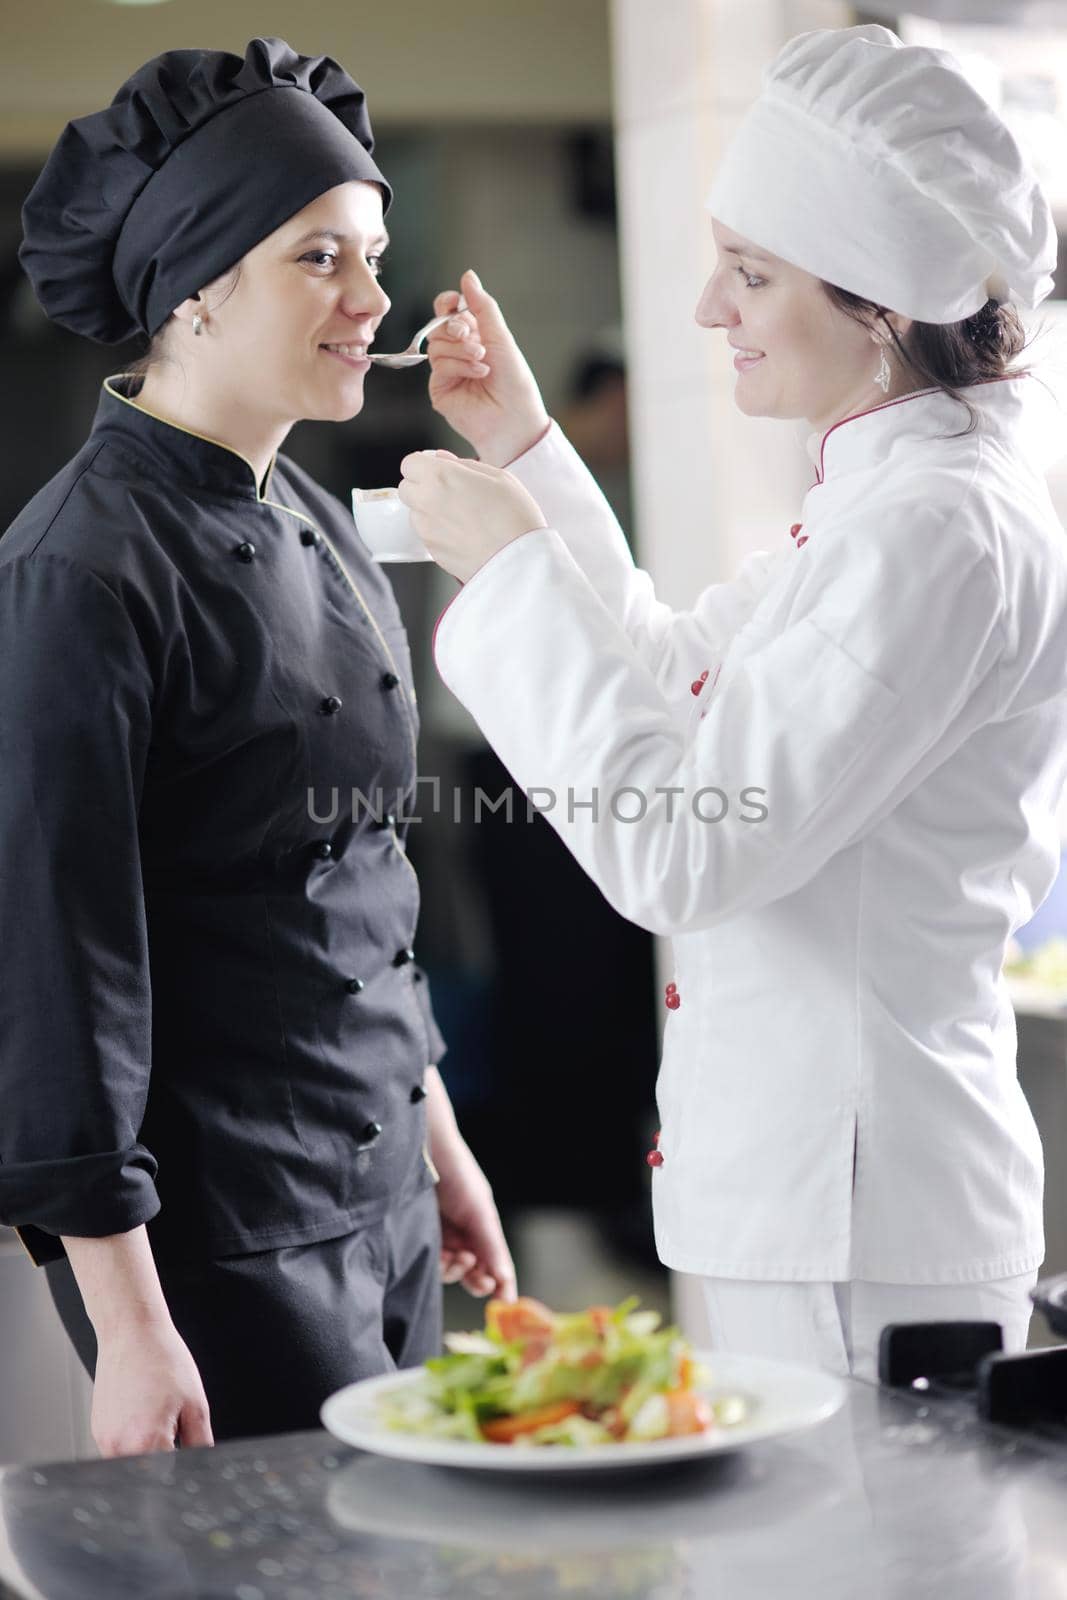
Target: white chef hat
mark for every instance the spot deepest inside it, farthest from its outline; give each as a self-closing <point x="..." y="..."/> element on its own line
<point x="877" y="167"/>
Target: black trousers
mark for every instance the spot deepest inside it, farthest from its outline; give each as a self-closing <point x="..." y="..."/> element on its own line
<point x="273" y="1333"/>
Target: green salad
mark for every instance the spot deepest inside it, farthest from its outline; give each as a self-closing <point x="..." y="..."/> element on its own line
<point x="606" y="1375"/>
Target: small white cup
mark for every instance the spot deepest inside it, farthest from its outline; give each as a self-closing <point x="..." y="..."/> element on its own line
<point x="384" y="525"/>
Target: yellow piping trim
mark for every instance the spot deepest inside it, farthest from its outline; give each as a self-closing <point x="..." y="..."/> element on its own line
<point x="367" y="613"/>
<point x="26" y="1247"/>
<point x="402" y="853"/>
<point x="277" y="506"/>
<point x="191" y="432"/>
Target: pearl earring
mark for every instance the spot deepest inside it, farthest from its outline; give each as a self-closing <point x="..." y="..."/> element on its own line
<point x="198" y="324"/>
<point x="883" y="376"/>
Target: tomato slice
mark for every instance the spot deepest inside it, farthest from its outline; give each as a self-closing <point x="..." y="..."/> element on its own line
<point x="689" y="1412"/>
<point x="502" y="1430"/>
<point x="518" y="1319"/>
<point x="535" y="1347"/>
<point x="601" y="1317"/>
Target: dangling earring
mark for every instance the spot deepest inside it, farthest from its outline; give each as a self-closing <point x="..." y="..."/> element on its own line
<point x="198" y="324"/>
<point x="884" y="375"/>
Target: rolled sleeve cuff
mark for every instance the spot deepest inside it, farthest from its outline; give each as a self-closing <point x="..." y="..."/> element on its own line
<point x="88" y="1197"/>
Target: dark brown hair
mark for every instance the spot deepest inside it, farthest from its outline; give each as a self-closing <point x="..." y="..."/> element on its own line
<point x="948" y="356"/>
<point x="156" y="351"/>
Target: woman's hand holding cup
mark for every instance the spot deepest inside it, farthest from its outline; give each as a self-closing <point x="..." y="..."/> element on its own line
<point x="480" y="381"/>
<point x="465" y="512"/>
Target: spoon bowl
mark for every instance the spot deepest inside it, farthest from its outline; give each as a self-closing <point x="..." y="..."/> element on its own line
<point x="406" y="358"/>
<point x="413" y="356"/>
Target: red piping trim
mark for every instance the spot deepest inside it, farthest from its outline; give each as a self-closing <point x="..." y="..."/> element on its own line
<point x="437" y="624"/>
<point x="919" y="394"/>
<point x="546" y="430"/>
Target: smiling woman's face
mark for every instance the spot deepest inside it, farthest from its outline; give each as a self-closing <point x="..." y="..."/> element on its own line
<point x="310" y="284"/>
<point x="807" y="358"/>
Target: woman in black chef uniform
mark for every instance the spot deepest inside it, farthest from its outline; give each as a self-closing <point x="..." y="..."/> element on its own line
<point x="219" y="1122"/>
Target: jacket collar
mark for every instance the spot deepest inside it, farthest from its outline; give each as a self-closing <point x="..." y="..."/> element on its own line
<point x="1020" y="411"/>
<point x="176" y="454"/>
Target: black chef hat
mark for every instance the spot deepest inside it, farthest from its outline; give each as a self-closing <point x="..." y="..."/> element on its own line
<point x="199" y="156"/>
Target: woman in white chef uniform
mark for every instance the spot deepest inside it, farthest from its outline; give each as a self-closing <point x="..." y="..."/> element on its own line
<point x="881" y="701"/>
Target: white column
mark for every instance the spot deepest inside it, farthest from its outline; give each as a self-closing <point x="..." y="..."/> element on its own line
<point x="710" y="484"/>
<point x="45" y="1395"/>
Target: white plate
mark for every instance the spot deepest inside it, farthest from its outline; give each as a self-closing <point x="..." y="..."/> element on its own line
<point x="782" y="1398"/>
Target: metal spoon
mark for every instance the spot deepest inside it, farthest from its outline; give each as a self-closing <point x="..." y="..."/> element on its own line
<point x="413" y="355"/>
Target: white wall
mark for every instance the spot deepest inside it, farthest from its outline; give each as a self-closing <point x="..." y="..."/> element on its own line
<point x="709" y="483"/>
<point x="45" y="1395"/>
<point x="503" y="207"/>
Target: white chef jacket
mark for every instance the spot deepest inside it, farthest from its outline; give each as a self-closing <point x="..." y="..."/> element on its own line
<point x="838" y="1093"/>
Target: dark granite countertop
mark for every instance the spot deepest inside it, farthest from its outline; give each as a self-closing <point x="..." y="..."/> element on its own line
<point x="893" y="1497"/>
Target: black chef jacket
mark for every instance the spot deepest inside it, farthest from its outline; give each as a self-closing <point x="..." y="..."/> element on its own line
<point x="210" y="1019"/>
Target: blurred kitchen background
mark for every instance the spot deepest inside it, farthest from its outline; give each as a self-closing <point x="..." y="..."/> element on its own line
<point x="564" y="148"/>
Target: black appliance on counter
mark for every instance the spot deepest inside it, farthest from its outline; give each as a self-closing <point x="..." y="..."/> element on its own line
<point x="1027" y="1389"/>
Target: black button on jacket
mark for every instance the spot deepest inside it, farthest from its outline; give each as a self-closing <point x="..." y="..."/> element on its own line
<point x="178" y="1045"/>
